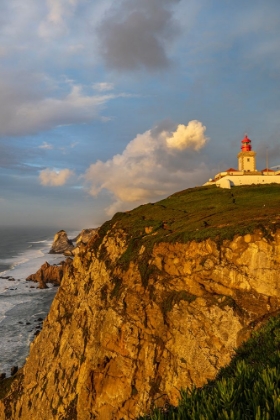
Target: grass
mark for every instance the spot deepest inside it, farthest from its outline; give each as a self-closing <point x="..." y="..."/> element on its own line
<point x="202" y="212"/>
<point x="195" y="214"/>
<point x="247" y="389"/>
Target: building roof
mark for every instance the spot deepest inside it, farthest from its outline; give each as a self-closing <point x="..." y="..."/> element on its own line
<point x="267" y="170"/>
<point x="231" y="170"/>
<point x="246" y="140"/>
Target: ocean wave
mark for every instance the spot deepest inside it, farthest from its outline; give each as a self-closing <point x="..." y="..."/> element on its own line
<point x="38" y="242"/>
<point x="19" y="262"/>
<point x="27" y="262"/>
<point x="22" y="254"/>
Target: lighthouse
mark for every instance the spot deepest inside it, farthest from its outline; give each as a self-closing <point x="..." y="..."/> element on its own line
<point x="246" y="174"/>
<point x="247" y="157"/>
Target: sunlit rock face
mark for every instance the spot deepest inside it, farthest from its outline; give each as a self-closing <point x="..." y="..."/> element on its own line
<point x="85" y="235"/>
<point x="125" y="333"/>
<point x="49" y="274"/>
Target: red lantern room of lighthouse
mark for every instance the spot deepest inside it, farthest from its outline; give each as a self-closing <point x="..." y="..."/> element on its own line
<point x="246" y="144"/>
<point x="247" y="157"/>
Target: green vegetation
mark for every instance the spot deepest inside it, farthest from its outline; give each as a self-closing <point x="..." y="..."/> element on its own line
<point x="174" y="297"/>
<point x="204" y="212"/>
<point x="194" y="214"/>
<point x="247" y="389"/>
<point x="200" y="213"/>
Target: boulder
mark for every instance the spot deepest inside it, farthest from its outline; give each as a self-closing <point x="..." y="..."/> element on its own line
<point x="14" y="370"/>
<point x="61" y="243"/>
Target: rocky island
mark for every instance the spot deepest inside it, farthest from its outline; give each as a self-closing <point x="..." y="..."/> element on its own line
<point x="156" y="301"/>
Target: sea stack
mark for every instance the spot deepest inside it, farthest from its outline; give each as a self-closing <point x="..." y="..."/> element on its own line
<point x="61" y="243"/>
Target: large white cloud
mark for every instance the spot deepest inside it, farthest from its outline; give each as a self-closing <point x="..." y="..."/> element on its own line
<point x="151" y="166"/>
<point x="52" y="178"/>
<point x="191" y="136"/>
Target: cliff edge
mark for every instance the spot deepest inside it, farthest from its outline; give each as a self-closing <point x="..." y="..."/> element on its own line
<point x="157" y="301"/>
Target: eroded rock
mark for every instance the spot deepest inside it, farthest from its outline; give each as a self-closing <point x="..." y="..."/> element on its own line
<point x="121" y="338"/>
<point x="49" y="274"/>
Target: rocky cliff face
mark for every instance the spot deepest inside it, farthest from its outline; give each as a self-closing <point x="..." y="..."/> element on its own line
<point x="125" y="333"/>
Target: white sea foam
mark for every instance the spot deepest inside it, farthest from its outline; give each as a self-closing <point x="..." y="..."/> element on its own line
<point x="21" y="303"/>
<point x="38" y="242"/>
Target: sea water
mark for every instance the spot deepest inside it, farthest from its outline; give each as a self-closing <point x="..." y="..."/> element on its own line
<point x="22" y="305"/>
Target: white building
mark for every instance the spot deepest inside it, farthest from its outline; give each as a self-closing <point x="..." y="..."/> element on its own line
<point x="246" y="174"/>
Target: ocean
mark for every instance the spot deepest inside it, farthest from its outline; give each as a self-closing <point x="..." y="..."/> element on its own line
<point x="23" y="307"/>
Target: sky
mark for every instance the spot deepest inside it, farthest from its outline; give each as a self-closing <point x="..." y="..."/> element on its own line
<point x="111" y="104"/>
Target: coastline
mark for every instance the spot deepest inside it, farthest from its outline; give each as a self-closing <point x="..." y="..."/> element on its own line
<point x="23" y="306"/>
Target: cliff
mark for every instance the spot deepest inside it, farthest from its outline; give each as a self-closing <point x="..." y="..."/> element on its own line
<point x="156" y="302"/>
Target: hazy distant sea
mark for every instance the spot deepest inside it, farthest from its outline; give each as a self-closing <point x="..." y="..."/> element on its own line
<point x="22" y="252"/>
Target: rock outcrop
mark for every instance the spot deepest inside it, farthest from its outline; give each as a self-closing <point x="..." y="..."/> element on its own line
<point x="61" y="243"/>
<point x="156" y="301"/>
<point x="85" y="235"/>
<point x="121" y="339"/>
<point x="49" y="274"/>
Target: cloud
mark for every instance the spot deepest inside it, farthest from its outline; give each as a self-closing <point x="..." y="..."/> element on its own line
<point x="46" y="146"/>
<point x="191" y="136"/>
<point x="53" y="178"/>
<point x="152" y="165"/>
<point x="75" y="48"/>
<point x="103" y="86"/>
<point x="55" y="22"/>
<point x="136" y="34"/>
<point x="55" y="11"/>
<point x="8" y="156"/>
<point x="28" y="108"/>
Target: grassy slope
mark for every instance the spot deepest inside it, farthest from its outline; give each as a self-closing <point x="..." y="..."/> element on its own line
<point x="197" y="214"/>
<point x="181" y="216"/>
<point x="248" y="389"/>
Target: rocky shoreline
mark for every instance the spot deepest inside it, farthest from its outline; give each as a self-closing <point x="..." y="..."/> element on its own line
<point x="52" y="274"/>
<point x="63" y="245"/>
<point x="48" y="273"/>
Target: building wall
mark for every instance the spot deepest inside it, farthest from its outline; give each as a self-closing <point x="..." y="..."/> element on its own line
<point x="247" y="180"/>
<point x="247" y="161"/>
